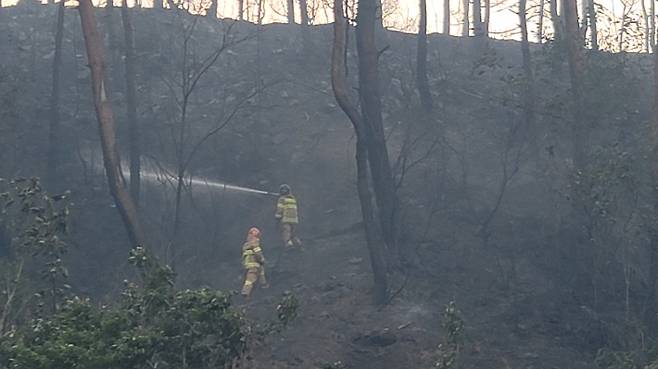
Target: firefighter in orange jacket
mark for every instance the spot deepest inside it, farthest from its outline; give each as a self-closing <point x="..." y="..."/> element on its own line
<point x="253" y="262"/>
<point x="287" y="216"/>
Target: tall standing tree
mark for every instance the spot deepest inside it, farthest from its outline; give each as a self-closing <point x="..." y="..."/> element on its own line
<point x="583" y="20"/>
<point x="652" y="308"/>
<point x="645" y="21"/>
<point x="478" y="24"/>
<point x="421" y="59"/>
<point x="576" y="59"/>
<point x="466" y="26"/>
<point x="528" y="78"/>
<point x="487" y="17"/>
<point x="556" y="21"/>
<point x="303" y="25"/>
<point x="53" y="135"/>
<point x="652" y="24"/>
<point x="303" y="12"/>
<point x="540" y="22"/>
<point x="341" y="92"/>
<point x="446" y="17"/>
<point x="240" y="9"/>
<point x="291" y="11"/>
<point x="103" y="106"/>
<point x="214" y="7"/>
<point x="371" y="111"/>
<point x="131" y="103"/>
<point x="157" y="4"/>
<point x="594" y="33"/>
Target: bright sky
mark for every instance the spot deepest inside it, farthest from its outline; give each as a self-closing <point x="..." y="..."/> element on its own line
<point x="503" y="16"/>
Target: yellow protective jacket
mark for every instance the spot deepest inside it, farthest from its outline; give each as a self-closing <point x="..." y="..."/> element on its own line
<point x="252" y="255"/>
<point x="286" y="209"/>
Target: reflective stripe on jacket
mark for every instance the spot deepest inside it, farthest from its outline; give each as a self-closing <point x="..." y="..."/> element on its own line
<point x="286" y="209"/>
<point x="252" y="255"/>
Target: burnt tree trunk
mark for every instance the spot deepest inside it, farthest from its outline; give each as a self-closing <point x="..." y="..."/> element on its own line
<point x="53" y="134"/>
<point x="421" y="59"/>
<point x="131" y="104"/>
<point x="240" y="9"/>
<point x="102" y="104"/>
<point x="446" y="17"/>
<point x="339" y="86"/>
<point x="371" y="111"/>
<point x="157" y="4"/>
<point x="576" y="59"/>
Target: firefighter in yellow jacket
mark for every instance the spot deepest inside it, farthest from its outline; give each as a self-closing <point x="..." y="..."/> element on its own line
<point x="287" y="216"/>
<point x="253" y="262"/>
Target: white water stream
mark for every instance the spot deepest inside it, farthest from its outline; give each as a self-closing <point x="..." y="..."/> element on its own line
<point x="167" y="178"/>
<point x="156" y="174"/>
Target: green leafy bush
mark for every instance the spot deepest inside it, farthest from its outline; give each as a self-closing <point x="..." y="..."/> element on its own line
<point x="152" y="327"/>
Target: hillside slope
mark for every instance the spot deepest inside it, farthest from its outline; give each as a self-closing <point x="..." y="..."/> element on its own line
<point x="522" y="310"/>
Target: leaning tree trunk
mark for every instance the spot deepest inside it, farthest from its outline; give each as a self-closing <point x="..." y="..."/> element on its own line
<point x="421" y="59"/>
<point x="339" y="86"/>
<point x="124" y="202"/>
<point x="131" y="104"/>
<point x="53" y="134"/>
<point x="446" y="17"/>
<point x="576" y="60"/>
<point x="371" y="111"/>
